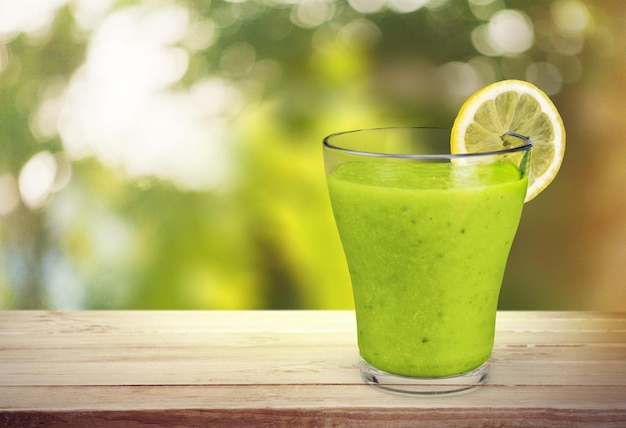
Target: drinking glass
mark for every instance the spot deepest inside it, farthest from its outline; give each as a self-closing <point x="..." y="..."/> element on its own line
<point x="426" y="235"/>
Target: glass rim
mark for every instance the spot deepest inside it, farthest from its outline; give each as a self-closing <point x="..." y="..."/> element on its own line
<point x="326" y="142"/>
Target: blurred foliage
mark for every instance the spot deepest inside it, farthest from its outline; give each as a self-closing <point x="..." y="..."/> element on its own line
<point x="227" y="207"/>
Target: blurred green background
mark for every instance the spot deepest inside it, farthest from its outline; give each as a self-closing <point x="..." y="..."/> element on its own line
<point x="167" y="154"/>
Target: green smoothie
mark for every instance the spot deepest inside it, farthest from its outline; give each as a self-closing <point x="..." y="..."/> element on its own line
<point x="426" y="245"/>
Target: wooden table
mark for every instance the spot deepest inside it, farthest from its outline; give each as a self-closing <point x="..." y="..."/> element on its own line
<point x="291" y="368"/>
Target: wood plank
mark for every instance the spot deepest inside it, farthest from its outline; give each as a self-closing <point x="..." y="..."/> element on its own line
<point x="310" y="364"/>
<point x="314" y="405"/>
<point x="182" y="322"/>
<point x="303" y="396"/>
<point x="375" y="417"/>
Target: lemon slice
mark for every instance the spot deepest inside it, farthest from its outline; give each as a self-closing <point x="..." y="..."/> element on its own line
<point x="513" y="107"/>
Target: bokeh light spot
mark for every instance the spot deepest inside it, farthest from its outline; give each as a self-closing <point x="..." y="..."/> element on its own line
<point x="359" y="34"/>
<point x="312" y="13"/>
<point x="510" y="32"/>
<point x="33" y="17"/>
<point x="461" y="79"/>
<point x="571" y="17"/>
<point x="546" y="76"/>
<point x="201" y="35"/>
<point x="36" y="179"/>
<point x="238" y="59"/>
<point x="482" y="42"/>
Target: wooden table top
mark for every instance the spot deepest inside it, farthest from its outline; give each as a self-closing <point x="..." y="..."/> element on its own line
<point x="292" y="368"/>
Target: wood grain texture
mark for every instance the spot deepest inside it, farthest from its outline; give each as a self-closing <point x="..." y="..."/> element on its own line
<point x="291" y="368"/>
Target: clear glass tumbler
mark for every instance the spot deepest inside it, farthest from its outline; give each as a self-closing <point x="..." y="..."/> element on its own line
<point x="426" y="235"/>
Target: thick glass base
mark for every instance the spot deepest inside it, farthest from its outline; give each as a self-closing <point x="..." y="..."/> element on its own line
<point x="463" y="382"/>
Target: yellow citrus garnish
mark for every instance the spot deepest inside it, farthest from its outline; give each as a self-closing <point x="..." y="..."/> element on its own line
<point x="513" y="106"/>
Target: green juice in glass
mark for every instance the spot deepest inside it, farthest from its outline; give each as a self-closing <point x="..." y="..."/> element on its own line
<point x="426" y="245"/>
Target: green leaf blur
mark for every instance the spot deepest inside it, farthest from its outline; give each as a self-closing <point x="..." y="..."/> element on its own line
<point x="167" y="154"/>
